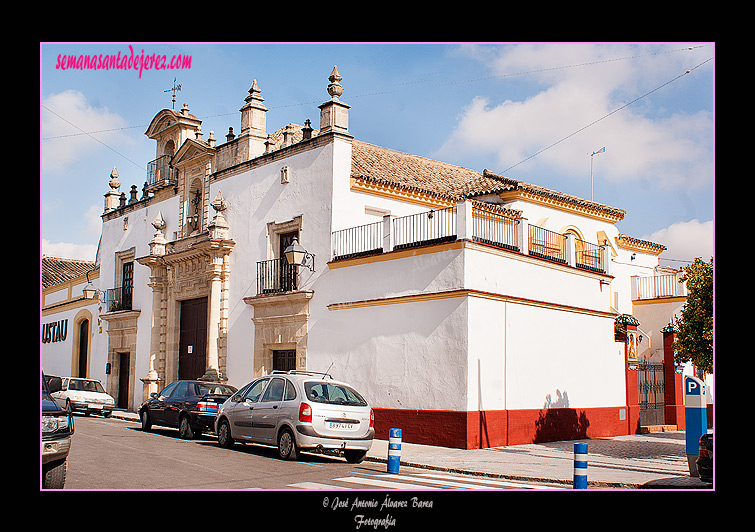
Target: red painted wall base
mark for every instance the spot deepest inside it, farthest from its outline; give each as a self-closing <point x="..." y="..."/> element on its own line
<point x="496" y="428"/>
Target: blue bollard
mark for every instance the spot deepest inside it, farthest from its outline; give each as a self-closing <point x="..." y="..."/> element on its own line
<point x="394" y="450"/>
<point x="580" y="466"/>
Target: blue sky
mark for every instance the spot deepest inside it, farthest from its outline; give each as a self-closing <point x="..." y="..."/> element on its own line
<point x="531" y="111"/>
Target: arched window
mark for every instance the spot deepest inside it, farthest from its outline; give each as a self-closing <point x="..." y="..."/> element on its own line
<point x="169" y="148"/>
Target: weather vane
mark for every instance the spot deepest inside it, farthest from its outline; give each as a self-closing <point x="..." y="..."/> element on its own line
<point x="174" y="89"/>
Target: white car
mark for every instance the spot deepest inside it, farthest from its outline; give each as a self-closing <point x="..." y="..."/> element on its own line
<point x="84" y="395"/>
<point x="298" y="411"/>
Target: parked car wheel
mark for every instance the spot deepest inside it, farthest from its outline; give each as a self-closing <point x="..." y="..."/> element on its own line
<point x="146" y="423"/>
<point x="354" y="456"/>
<point x="184" y="428"/>
<point x="55" y="475"/>
<point x="224" y="435"/>
<point x="287" y="445"/>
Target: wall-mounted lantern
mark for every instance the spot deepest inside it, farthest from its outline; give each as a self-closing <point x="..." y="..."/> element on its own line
<point x="91" y="292"/>
<point x="296" y="255"/>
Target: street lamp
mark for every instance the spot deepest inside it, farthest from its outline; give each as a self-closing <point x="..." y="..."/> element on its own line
<point x="296" y="255"/>
<point x="90" y="292"/>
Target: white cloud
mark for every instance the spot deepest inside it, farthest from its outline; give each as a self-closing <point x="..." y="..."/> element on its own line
<point x="65" y="116"/>
<point x="93" y="221"/>
<point x="685" y="241"/>
<point x="670" y="149"/>
<point x="66" y="250"/>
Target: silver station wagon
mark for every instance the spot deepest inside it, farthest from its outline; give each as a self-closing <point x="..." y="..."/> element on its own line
<point x="298" y="411"/>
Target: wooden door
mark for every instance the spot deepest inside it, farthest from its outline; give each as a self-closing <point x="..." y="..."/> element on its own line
<point x="192" y="354"/>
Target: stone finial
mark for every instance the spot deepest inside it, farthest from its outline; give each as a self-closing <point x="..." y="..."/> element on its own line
<point x="218" y="227"/>
<point x="307" y="130"/>
<point x="254" y="92"/>
<point x="218" y="204"/>
<point x="115" y="183"/>
<point x="334" y="114"/>
<point x="334" y="89"/>
<point x="159" y="222"/>
<point x="158" y="242"/>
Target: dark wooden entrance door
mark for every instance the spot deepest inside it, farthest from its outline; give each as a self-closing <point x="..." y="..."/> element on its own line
<point x="192" y="348"/>
<point x="124" y="366"/>
<point x="284" y="359"/>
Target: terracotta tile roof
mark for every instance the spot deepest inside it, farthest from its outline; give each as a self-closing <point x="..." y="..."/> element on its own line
<point x="56" y="270"/>
<point x="420" y="174"/>
<point x="511" y="184"/>
<point x="410" y="172"/>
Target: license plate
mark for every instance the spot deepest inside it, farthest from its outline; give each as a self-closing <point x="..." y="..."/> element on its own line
<point x="95" y="406"/>
<point x="341" y="426"/>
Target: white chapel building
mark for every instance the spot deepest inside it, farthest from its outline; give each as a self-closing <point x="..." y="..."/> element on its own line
<point x="470" y="309"/>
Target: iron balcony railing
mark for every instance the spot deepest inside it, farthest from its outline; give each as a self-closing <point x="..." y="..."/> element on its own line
<point x="424" y="228"/>
<point x="588" y="256"/>
<point x="357" y="241"/>
<point x="495" y="229"/>
<point x="276" y="276"/>
<point x="547" y="244"/>
<point x="487" y="227"/>
<point x="160" y="173"/>
<point x="119" y="298"/>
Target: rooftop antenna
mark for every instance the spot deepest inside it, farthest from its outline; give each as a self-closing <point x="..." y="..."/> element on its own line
<point x="174" y="89"/>
<point x="601" y="150"/>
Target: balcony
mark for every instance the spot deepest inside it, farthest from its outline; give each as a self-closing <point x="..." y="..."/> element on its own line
<point x="276" y="276"/>
<point x="468" y="221"/>
<point x="658" y="286"/>
<point x="160" y="174"/>
<point x="119" y="298"/>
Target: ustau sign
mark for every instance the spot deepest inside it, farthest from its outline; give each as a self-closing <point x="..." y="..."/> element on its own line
<point x="55" y="331"/>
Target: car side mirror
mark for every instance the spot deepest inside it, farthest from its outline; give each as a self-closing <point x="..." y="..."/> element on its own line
<point x="153" y="395"/>
<point x="55" y="384"/>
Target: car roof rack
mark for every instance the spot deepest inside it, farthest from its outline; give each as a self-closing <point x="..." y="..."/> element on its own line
<point x="300" y="372"/>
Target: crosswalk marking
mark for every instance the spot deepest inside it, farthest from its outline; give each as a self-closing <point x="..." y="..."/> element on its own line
<point x="437" y="481"/>
<point x="315" y="486"/>
<point x="417" y="481"/>
<point x="485" y="481"/>
<point x="383" y="483"/>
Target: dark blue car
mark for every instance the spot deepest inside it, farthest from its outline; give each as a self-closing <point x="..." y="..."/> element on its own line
<point x="189" y="406"/>
<point x="57" y="428"/>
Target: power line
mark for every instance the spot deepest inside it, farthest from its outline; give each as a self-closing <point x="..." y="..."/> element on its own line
<point x="605" y="116"/>
<point x="90" y="136"/>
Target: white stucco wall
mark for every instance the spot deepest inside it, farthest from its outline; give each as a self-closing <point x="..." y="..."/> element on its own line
<point x="403" y="355"/>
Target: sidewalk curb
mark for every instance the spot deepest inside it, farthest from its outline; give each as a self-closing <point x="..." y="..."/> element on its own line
<point x="501" y="476"/>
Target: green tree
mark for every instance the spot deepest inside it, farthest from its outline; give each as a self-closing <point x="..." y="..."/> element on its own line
<point x="694" y="329"/>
